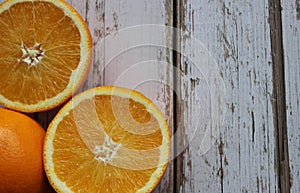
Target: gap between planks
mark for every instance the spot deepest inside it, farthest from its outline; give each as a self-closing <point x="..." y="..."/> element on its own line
<point x="178" y="161"/>
<point x="279" y="94"/>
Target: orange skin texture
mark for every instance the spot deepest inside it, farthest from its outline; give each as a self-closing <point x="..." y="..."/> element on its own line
<point x="21" y="163"/>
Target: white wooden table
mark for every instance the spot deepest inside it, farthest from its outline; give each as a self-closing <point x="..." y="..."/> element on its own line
<point x="256" y="147"/>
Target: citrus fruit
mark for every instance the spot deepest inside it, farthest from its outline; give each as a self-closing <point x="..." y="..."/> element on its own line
<point x="21" y="150"/>
<point x="108" y="140"/>
<point x="45" y="53"/>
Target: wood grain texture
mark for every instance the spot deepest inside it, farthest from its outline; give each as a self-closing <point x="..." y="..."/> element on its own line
<point x="291" y="47"/>
<point x="245" y="157"/>
<point x="237" y="34"/>
<point x="130" y="67"/>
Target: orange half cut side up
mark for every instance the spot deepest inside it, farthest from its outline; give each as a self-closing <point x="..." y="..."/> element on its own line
<point x="45" y="53"/>
<point x="108" y="140"/>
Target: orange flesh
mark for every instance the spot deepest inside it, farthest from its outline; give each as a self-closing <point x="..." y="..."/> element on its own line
<point x="74" y="160"/>
<point x="28" y="23"/>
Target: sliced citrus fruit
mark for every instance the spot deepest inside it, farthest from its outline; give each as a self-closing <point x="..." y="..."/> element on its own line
<point x="108" y="140"/>
<point x="45" y="53"/>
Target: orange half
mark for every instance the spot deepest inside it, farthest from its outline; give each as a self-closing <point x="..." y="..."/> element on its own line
<point x="108" y="140"/>
<point x="45" y="53"/>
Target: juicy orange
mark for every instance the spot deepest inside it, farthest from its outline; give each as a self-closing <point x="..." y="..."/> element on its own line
<point x="21" y="150"/>
<point x="45" y="53"/>
<point x="108" y="140"/>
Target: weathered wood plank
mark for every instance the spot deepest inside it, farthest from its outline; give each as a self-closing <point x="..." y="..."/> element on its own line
<point x="291" y="47"/>
<point x="132" y="67"/>
<point x="237" y="34"/>
<point x="106" y="20"/>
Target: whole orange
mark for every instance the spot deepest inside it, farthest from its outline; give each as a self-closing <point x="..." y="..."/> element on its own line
<point x="21" y="163"/>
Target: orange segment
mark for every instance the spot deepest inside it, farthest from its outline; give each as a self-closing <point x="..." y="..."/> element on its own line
<point x="45" y="53"/>
<point x="89" y="149"/>
<point x="43" y="13"/>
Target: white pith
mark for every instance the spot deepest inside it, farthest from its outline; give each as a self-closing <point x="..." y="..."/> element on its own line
<point x="33" y="55"/>
<point x="107" y="151"/>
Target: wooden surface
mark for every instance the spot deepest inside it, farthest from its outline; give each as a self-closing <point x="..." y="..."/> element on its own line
<point x="291" y="46"/>
<point x="246" y="156"/>
<point x="118" y="62"/>
<point x="256" y="47"/>
<point x="237" y="34"/>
